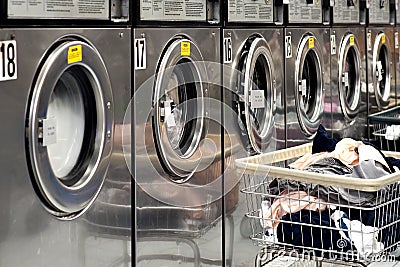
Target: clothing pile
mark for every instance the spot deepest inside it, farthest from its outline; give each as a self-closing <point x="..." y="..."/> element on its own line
<point x="331" y="217"/>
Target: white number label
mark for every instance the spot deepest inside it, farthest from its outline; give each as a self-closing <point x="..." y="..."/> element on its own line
<point x="369" y="41"/>
<point x="227" y="50"/>
<point x="8" y="60"/>
<point x="333" y="44"/>
<point x="288" y="46"/>
<point x="140" y="54"/>
<point x="396" y="40"/>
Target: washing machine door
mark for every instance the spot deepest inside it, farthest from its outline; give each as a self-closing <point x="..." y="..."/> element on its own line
<point x="309" y="84"/>
<point x="349" y="76"/>
<point x="381" y="70"/>
<point x="179" y="102"/>
<point x="69" y="127"/>
<point x="257" y="93"/>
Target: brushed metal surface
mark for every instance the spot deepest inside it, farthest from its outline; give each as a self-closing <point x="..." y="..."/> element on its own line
<point x="357" y="126"/>
<point x="294" y="133"/>
<point x="177" y="221"/>
<point x="30" y="236"/>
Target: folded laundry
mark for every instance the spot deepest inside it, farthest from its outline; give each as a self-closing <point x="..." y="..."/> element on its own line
<point x="287" y="202"/>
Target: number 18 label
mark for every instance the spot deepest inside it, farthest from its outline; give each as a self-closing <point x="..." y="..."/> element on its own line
<point x="8" y="60"/>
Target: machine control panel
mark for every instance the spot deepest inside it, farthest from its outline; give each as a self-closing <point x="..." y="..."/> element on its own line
<point x="305" y="11"/>
<point x="251" y="11"/>
<point x="346" y="11"/>
<point x="379" y="12"/>
<point x="52" y="9"/>
<point x="179" y="10"/>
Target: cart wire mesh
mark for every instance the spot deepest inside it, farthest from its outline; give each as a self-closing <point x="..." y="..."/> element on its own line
<point x="320" y="216"/>
<point x="385" y="127"/>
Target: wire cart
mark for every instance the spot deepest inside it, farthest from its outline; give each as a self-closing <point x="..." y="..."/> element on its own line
<point x="385" y="130"/>
<point x="320" y="217"/>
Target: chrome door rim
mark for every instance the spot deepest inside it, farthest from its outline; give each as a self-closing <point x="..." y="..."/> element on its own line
<point x="59" y="199"/>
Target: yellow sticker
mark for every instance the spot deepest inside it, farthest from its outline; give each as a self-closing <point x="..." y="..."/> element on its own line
<point x="311" y="42"/>
<point x="383" y="39"/>
<point x="185" y="49"/>
<point x="351" y="40"/>
<point x="74" y="54"/>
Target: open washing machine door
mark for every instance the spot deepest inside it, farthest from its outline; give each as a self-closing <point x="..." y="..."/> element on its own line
<point x="69" y="127"/>
<point x="180" y="104"/>
<point x="256" y="85"/>
<point x="381" y="74"/>
<point x="309" y="84"/>
<point x="349" y="83"/>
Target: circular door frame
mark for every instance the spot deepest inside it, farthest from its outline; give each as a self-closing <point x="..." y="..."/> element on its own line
<point x="309" y="126"/>
<point x="68" y="202"/>
<point x="259" y="47"/>
<point x="180" y="168"/>
<point x="382" y="101"/>
<point x="349" y="111"/>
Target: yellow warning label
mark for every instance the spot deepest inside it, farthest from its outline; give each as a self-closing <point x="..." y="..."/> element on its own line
<point x="185" y="49"/>
<point x="311" y="42"/>
<point x="383" y="39"/>
<point x="351" y="40"/>
<point x="74" y="54"/>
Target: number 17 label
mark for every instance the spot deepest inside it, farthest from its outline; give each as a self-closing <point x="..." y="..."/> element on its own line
<point x="8" y="60"/>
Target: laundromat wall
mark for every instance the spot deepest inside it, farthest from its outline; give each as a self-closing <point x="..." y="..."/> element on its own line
<point x="123" y="119"/>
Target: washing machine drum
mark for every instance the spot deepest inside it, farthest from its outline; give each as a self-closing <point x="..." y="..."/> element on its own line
<point x="349" y="66"/>
<point x="69" y="127"/>
<point x="257" y="94"/>
<point x="180" y="105"/>
<point x="381" y="70"/>
<point x="309" y="84"/>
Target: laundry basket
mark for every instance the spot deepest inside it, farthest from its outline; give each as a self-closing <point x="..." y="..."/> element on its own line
<point x="385" y="129"/>
<point x="315" y="216"/>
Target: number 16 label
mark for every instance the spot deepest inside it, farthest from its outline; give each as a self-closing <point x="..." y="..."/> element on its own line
<point x="8" y="60"/>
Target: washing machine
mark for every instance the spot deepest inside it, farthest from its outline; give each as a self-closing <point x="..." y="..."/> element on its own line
<point x="177" y="146"/>
<point x="380" y="59"/>
<point x="64" y="95"/>
<point x="61" y="107"/>
<point x="254" y="119"/>
<point x="348" y="71"/>
<point x="307" y="85"/>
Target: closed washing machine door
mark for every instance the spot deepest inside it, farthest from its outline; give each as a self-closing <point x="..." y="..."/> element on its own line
<point x="179" y="102"/>
<point x="257" y="93"/>
<point x="69" y="127"/>
<point x="349" y="76"/>
<point x="381" y="70"/>
<point x="309" y="84"/>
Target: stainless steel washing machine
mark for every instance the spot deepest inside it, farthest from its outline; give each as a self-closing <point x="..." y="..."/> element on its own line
<point x="307" y="85"/>
<point x="61" y="108"/>
<point x="254" y="118"/>
<point x="380" y="59"/>
<point x="177" y="145"/>
<point x="348" y="71"/>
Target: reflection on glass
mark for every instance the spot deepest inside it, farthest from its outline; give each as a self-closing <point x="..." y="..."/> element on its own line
<point x="67" y="108"/>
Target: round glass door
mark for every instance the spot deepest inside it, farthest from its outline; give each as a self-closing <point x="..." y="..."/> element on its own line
<point x="257" y="87"/>
<point x="309" y="81"/>
<point x="349" y="76"/>
<point x="69" y="128"/>
<point x="381" y="70"/>
<point x="179" y="109"/>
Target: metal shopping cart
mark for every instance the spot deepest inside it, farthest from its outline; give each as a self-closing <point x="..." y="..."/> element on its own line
<point x="385" y="129"/>
<point x="320" y="217"/>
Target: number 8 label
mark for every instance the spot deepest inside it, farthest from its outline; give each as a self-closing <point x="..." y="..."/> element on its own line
<point x="8" y="60"/>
